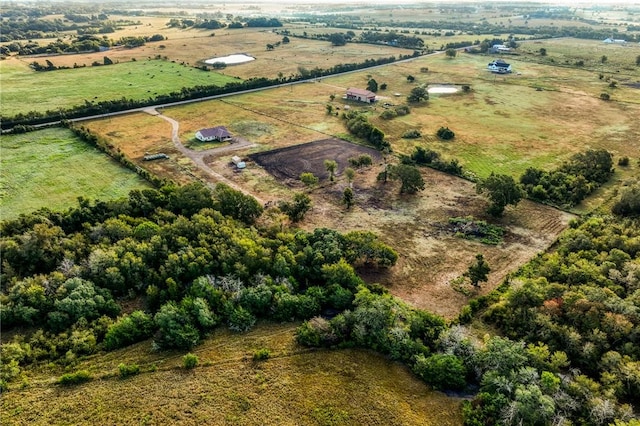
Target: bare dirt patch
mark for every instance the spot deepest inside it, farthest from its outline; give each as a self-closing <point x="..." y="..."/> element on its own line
<point x="288" y="163"/>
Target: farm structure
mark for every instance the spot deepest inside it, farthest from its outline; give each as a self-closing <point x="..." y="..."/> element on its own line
<point x="361" y="95"/>
<point x="288" y="163"/>
<point x="237" y="161"/>
<point x="219" y="133"/>
<point x="499" y="48"/>
<point x="499" y="66"/>
<point x="614" y="41"/>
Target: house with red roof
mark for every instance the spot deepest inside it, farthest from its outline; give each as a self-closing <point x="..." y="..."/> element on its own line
<point x="361" y="95"/>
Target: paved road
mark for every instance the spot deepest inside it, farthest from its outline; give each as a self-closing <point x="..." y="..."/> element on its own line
<point x="198" y="157"/>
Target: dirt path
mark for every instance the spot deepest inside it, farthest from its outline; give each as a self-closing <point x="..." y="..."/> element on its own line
<point x="198" y="157"/>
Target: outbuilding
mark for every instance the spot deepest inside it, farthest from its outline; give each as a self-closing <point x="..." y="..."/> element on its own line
<point x="361" y="95"/>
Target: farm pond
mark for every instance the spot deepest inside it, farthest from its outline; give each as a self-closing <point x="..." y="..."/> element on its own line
<point x="238" y="58"/>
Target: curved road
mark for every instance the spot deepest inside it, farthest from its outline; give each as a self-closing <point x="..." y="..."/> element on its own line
<point x="198" y="156"/>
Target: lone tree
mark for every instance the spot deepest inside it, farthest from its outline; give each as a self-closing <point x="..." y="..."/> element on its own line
<point x="411" y="78"/>
<point x="502" y="190"/>
<point x="350" y="174"/>
<point x="543" y="51"/>
<point x="409" y="176"/>
<point x="418" y="94"/>
<point x="331" y="167"/>
<point x="297" y="208"/>
<point x="478" y="271"/>
<point x="337" y="39"/>
<point x="347" y="197"/>
<point x="285" y="40"/>
<point x="372" y="85"/>
<point x="451" y="53"/>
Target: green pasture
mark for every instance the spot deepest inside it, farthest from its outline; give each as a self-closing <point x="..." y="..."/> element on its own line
<point x="25" y="90"/>
<point x="52" y="168"/>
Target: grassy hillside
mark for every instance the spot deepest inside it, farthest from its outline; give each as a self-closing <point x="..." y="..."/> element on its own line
<point x="51" y="168"/>
<point x="295" y="386"/>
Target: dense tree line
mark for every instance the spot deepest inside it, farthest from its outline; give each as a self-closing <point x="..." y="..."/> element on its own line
<point x="358" y="125"/>
<point x="65" y="274"/>
<point x="572" y="182"/>
<point x="570" y="322"/>
<point x="582" y="301"/>
<point x="186" y="93"/>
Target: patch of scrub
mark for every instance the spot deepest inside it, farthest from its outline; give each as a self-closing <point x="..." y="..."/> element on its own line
<point x="239" y="58"/>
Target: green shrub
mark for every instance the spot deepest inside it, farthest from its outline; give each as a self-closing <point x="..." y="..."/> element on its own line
<point x="623" y="161"/>
<point x="189" y="361"/>
<point x="412" y="134"/>
<point x="308" y="178"/>
<point x="241" y="320"/>
<point x="78" y="377"/>
<point x="445" y="133"/>
<point x="126" y="370"/>
<point x="362" y="160"/>
<point x="388" y="114"/>
<point x="261" y="354"/>
<point x="129" y="329"/>
<point x="441" y="371"/>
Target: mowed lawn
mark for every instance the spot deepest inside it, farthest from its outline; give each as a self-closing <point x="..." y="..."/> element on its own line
<point x="52" y="168"/>
<point x="25" y="90"/>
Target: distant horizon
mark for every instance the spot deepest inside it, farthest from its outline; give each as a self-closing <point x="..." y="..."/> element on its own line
<point x="581" y="3"/>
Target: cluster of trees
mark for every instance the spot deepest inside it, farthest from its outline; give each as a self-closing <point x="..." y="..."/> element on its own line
<point x="628" y="204"/>
<point x="101" y="107"/>
<point x="88" y="42"/>
<point x="34" y="27"/>
<point x="65" y="273"/>
<point x="577" y="308"/>
<point x="572" y="182"/>
<point x="571" y="325"/>
<point x="358" y="124"/>
<point x="428" y="157"/>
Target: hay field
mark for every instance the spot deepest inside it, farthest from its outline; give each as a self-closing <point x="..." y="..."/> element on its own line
<point x="52" y="168"/>
<point x="191" y="46"/>
<point x="25" y="90"/>
<point x="296" y="386"/>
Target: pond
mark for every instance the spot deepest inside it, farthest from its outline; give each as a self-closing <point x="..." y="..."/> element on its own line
<point x="239" y="58"/>
<point x="442" y="89"/>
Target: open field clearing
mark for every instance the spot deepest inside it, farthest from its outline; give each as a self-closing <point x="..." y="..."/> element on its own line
<point x="295" y="386"/>
<point x="192" y="46"/>
<point x="51" y="168"/>
<point x="503" y="124"/>
<point x="25" y="90"/>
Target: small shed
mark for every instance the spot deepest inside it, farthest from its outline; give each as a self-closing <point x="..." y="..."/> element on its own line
<point x="238" y="162"/>
<point x="219" y="133"/>
<point x="361" y="95"/>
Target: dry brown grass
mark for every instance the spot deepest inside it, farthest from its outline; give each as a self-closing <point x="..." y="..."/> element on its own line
<point x="295" y="386"/>
<point x="504" y="125"/>
<point x="195" y="45"/>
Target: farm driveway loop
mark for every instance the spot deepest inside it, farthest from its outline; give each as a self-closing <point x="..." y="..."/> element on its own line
<point x="198" y="156"/>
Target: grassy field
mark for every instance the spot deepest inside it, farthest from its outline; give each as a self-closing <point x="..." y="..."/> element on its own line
<point x="51" y="168"/>
<point x="25" y="90"/>
<point x="295" y="386"/>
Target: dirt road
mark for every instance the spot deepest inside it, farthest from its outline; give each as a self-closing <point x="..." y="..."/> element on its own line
<point x="198" y="157"/>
